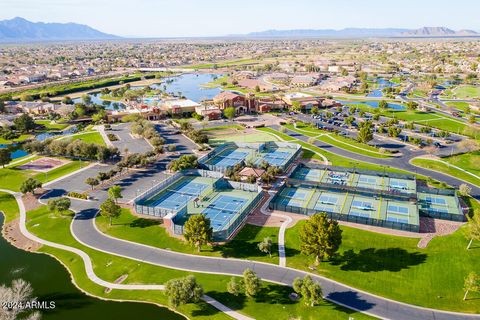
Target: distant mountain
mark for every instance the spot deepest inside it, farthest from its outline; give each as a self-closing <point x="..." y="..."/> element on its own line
<point x="19" y="29"/>
<point x="438" y="32"/>
<point x="361" y="33"/>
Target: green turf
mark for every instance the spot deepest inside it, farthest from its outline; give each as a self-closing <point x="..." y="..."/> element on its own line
<point x="467" y="92"/>
<point x="219" y="138"/>
<point x="273" y="297"/>
<point x="441" y="167"/>
<point x="151" y="232"/>
<point x="90" y="137"/>
<point x="49" y="125"/>
<point x="394" y="267"/>
<point x="21" y="138"/>
<point x="13" y="177"/>
<point x="8" y="205"/>
<point x="338" y="141"/>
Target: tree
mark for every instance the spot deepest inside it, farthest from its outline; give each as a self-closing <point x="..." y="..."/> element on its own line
<point x="464" y="190"/>
<point x="472" y="119"/>
<point x="184" y="162"/>
<point x="109" y="209"/>
<point x="315" y="110"/>
<point x="99" y="116"/>
<point x="67" y="100"/>
<point x="320" y="237"/>
<point x="234" y="286"/>
<point x="115" y="193"/>
<point x="472" y="283"/>
<point x="30" y="185"/>
<point x="5" y="157"/>
<point x="229" y="112"/>
<point x="394" y="131"/>
<point x="296" y="106"/>
<point x="183" y="290"/>
<point x="365" y="133"/>
<point x="383" y="104"/>
<point x="19" y="293"/>
<point x="310" y="290"/>
<point x="412" y="105"/>
<point x="24" y="123"/>
<point x="266" y="246"/>
<point x="472" y="230"/>
<point x="197" y="231"/>
<point x="59" y="205"/>
<point x="251" y="283"/>
<point x="92" y="182"/>
<point x="86" y="99"/>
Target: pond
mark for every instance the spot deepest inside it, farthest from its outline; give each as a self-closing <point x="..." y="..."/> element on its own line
<point x="15" y="150"/>
<point x="51" y="281"/>
<point x="112" y="105"/>
<point x="190" y="86"/>
<point x="373" y="104"/>
<point x="382" y="84"/>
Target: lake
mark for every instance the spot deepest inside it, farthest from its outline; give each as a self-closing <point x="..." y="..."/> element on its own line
<point x="190" y="86"/>
<point x="382" y="84"/>
<point x="51" y="281"/>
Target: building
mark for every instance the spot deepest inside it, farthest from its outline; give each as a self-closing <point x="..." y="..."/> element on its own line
<point x="242" y="103"/>
<point x="179" y="106"/>
<point x="209" y="112"/>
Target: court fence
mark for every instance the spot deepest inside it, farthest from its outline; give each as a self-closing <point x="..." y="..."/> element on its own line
<point x="256" y="147"/>
<point x="275" y="205"/>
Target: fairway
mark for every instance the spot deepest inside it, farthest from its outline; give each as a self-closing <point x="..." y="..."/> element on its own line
<point x="467" y="92"/>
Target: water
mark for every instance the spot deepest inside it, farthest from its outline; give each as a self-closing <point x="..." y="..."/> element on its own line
<point x="46" y="135"/>
<point x="382" y="84"/>
<point x="373" y="104"/>
<point x="190" y="86"/>
<point x="51" y="281"/>
<point x="15" y="150"/>
<point x="97" y="100"/>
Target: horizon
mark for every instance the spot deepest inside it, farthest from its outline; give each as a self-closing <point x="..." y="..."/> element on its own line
<point x="207" y="16"/>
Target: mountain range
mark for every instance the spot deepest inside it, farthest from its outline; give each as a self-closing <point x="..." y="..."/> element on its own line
<point x="363" y="33"/>
<point x="19" y="29"/>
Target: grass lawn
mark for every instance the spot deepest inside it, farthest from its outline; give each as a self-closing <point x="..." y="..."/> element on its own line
<point x="395" y="268"/>
<point x="460" y="105"/>
<point x="90" y="137"/>
<point x="150" y="232"/>
<point x="337" y="160"/>
<point x="49" y="125"/>
<point x="441" y="167"/>
<point x="338" y="141"/>
<point x="467" y="92"/>
<point x="21" y="138"/>
<point x="227" y="126"/>
<point x="12" y="177"/>
<point x="272" y="299"/>
<point x="8" y="205"/>
<point x="217" y="139"/>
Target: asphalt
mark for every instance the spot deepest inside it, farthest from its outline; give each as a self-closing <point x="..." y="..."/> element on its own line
<point x="126" y="141"/>
<point x="399" y="163"/>
<point x="85" y="231"/>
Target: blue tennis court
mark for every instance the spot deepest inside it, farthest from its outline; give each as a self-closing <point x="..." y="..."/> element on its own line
<point x="222" y="210"/>
<point x="275" y="157"/>
<point x="178" y="196"/>
<point x="294" y="197"/>
<point x="229" y="158"/>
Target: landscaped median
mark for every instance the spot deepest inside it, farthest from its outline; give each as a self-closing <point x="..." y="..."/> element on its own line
<point x="272" y="299"/>
<point x="446" y="168"/>
<point x="339" y="141"/>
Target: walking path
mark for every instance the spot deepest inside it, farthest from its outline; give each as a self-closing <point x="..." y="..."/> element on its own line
<point x="87" y="262"/>
<point x="432" y="158"/>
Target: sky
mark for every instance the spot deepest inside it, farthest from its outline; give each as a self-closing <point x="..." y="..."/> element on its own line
<point x="198" y="18"/>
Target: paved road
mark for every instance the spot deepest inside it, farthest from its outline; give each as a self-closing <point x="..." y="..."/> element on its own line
<point x="83" y="228"/>
<point x="399" y="163"/>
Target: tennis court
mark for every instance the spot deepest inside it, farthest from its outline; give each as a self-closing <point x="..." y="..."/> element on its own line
<point x="308" y="174"/>
<point x="400" y="212"/>
<point x="400" y="185"/>
<point x="229" y="158"/>
<point x="368" y="181"/>
<point x="438" y="205"/>
<point x="336" y="177"/>
<point x="364" y="207"/>
<point x="330" y="202"/>
<point x="275" y="157"/>
<point x="295" y="197"/>
<point x="175" y="197"/>
<point x="223" y="209"/>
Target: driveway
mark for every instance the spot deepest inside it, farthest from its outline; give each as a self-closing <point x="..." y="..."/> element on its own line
<point x="126" y="141"/>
